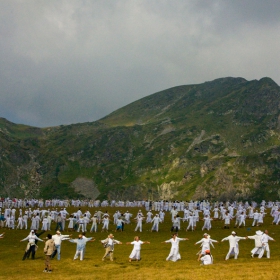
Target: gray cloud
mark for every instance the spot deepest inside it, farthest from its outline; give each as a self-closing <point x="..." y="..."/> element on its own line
<point x="70" y="61"/>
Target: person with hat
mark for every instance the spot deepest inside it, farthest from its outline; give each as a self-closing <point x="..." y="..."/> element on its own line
<point x="207" y="258"/>
<point x="233" y="244"/>
<point x="108" y="244"/>
<point x="206" y="241"/>
<point x="48" y="251"/>
<point x="58" y="237"/>
<point x="36" y="241"/>
<point x="174" y="254"/>
<point x="258" y="243"/>
<point x="31" y="246"/>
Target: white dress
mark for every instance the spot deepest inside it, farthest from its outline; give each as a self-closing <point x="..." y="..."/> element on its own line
<point x="135" y="254"/>
<point x="71" y="223"/>
<point x="174" y="254"/>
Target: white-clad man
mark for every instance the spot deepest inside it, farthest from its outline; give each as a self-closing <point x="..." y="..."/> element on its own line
<point x="255" y="218"/>
<point x="258" y="243"/>
<point x="57" y="238"/>
<point x="156" y="220"/>
<point x="264" y="239"/>
<point x="233" y="245"/>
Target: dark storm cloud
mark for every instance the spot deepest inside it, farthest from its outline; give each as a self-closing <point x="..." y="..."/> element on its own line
<point x="74" y="61"/>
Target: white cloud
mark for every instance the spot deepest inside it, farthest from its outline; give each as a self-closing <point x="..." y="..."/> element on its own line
<point x="73" y="61"/>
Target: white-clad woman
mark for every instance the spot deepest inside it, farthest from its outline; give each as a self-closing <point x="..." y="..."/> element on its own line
<point x="174" y="254"/>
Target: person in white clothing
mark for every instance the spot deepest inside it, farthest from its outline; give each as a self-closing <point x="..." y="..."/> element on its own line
<point x="206" y="241"/>
<point x="31" y="246"/>
<point x="57" y="238"/>
<point x="255" y="218"/>
<point x="258" y="243"/>
<point x="174" y="254"/>
<point x="156" y="220"/>
<point x="207" y="258"/>
<point x="135" y="254"/>
<point x="81" y="244"/>
<point x="233" y="244"/>
<point x="265" y="238"/>
<point x="139" y="220"/>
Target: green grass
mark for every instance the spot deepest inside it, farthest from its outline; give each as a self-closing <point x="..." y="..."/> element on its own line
<point x="152" y="265"/>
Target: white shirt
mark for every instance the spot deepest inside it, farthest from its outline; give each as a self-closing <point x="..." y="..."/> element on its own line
<point x="58" y="238"/>
<point x="174" y="242"/>
<point x="207" y="259"/>
<point x="265" y="238"/>
<point x="233" y="240"/>
<point x="137" y="244"/>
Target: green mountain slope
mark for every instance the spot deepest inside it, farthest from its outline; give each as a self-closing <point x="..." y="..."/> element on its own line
<point x="217" y="140"/>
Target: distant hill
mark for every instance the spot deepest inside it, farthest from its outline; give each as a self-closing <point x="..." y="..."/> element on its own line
<point x="216" y="140"/>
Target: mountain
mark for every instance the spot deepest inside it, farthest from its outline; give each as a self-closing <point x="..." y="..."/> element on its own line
<point x="216" y="140"/>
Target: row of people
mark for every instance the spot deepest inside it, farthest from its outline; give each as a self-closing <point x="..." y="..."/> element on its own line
<point x="53" y="246"/>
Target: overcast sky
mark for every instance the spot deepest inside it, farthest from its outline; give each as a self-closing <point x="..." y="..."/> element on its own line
<point x="65" y="62"/>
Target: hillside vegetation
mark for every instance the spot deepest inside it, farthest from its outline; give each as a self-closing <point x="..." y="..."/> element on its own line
<point x="216" y="140"/>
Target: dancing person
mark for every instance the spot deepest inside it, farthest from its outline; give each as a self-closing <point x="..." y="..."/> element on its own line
<point x="31" y="246"/>
<point x="81" y="244"/>
<point x="135" y="254"/>
<point x="48" y="251"/>
<point x="108" y="244"/>
<point x="174" y="253"/>
<point x="233" y="244"/>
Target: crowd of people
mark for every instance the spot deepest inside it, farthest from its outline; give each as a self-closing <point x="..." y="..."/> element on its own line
<point x="35" y="215"/>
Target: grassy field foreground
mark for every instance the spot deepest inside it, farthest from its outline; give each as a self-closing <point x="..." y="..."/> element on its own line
<point x="153" y="264"/>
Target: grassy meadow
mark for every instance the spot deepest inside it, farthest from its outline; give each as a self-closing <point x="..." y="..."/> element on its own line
<point x="153" y="264"/>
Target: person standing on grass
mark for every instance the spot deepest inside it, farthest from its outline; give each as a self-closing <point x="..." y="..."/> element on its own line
<point x="48" y="251"/>
<point x="206" y="241"/>
<point x="81" y="245"/>
<point x="105" y="222"/>
<point x="139" y="220"/>
<point x="94" y="224"/>
<point x="31" y="246"/>
<point x="258" y="243"/>
<point x="242" y="218"/>
<point x="58" y="237"/>
<point x="156" y="220"/>
<point x="207" y="222"/>
<point x="175" y="223"/>
<point x="174" y="254"/>
<point x="265" y="238"/>
<point x="233" y="244"/>
<point x="135" y="254"/>
<point x="36" y="241"/>
<point x="227" y="218"/>
<point x="108" y="244"/>
<point x="119" y="224"/>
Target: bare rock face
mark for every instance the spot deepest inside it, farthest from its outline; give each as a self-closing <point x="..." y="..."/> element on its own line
<point x="86" y="187"/>
<point x="167" y="191"/>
